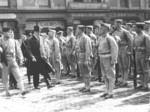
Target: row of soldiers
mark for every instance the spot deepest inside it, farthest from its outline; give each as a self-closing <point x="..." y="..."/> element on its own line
<point x="113" y="50"/>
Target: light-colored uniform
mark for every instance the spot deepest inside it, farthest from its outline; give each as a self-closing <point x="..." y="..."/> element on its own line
<point x="70" y="43"/>
<point x="55" y="57"/>
<point x="108" y="53"/>
<point x="141" y="46"/>
<point x="12" y="51"/>
<point x="124" y="47"/>
<point x="84" y="49"/>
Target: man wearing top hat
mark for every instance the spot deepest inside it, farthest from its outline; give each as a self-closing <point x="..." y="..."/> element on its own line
<point x="84" y="49"/>
<point x="141" y="45"/>
<point x="125" y="46"/>
<point x="70" y="50"/>
<point x="108" y="53"/>
<point x="37" y="56"/>
<point x="11" y="51"/>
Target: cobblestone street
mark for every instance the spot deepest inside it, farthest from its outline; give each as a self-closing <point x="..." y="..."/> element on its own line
<point x="66" y="98"/>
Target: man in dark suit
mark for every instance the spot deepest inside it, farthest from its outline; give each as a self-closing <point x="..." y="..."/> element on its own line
<point x="39" y="63"/>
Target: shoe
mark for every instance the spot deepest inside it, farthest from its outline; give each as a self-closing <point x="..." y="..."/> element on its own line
<point x="24" y="93"/>
<point x="145" y="88"/>
<point x="8" y="94"/>
<point x="103" y="95"/>
<point x="109" y="96"/>
<point x="139" y="87"/>
<point x="50" y="86"/>
<point x="37" y="88"/>
<point x="123" y="84"/>
<point x="86" y="90"/>
<point x="57" y="82"/>
<point x="119" y="83"/>
<point x="29" y="83"/>
<point x="82" y="89"/>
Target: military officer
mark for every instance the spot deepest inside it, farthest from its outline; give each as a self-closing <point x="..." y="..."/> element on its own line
<point x="147" y="27"/>
<point x="125" y="47"/>
<point x="70" y="51"/>
<point x="141" y="46"/>
<point x="108" y="53"/>
<point x="55" y="55"/>
<point x="89" y="32"/>
<point x="11" y="51"/>
<point x="85" y="49"/>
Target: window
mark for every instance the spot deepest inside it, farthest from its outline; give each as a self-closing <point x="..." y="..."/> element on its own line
<point x="4" y="3"/>
<point x="44" y="3"/>
<point x="78" y="0"/>
<point x="124" y="3"/>
<point x="135" y="3"/>
<point x="113" y="3"/>
<point x="149" y="3"/>
<point x="97" y="0"/>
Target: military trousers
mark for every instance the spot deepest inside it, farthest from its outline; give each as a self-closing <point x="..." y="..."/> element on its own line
<point x="108" y="72"/>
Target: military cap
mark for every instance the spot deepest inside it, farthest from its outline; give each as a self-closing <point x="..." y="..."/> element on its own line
<point x="118" y="20"/>
<point x="140" y="25"/>
<point x="6" y="29"/>
<point x="106" y="25"/>
<point x="130" y="24"/>
<point x="37" y="28"/>
<point x="89" y="27"/>
<point x="147" y="22"/>
<point x="70" y="27"/>
<point x="82" y="27"/>
<point x="59" y="33"/>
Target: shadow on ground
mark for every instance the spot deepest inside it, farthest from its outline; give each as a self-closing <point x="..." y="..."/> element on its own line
<point x="144" y="99"/>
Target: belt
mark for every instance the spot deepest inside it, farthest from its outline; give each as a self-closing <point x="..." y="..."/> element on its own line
<point x="104" y="53"/>
<point x="139" y="49"/>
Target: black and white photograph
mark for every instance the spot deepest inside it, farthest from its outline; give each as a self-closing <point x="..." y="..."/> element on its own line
<point x="74" y="55"/>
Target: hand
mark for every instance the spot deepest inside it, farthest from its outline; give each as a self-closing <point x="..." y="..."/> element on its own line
<point x="33" y="59"/>
<point x="112" y="63"/>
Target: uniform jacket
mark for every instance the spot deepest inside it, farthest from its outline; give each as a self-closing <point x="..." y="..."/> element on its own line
<point x="108" y="45"/>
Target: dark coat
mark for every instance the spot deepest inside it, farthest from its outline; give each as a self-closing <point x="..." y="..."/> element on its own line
<point x="41" y="65"/>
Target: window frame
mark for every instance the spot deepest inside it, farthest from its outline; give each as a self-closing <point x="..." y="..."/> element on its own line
<point x="3" y="6"/>
<point x="78" y="1"/>
<point x="127" y="4"/>
<point x="48" y="5"/>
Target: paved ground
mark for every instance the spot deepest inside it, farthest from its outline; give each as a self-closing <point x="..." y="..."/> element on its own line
<point x="66" y="98"/>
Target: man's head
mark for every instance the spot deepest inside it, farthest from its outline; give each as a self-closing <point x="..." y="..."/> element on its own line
<point x="51" y="34"/>
<point x="36" y="29"/>
<point x="138" y="27"/>
<point x="69" y="30"/>
<point x="147" y="25"/>
<point x="128" y="26"/>
<point x="118" y="23"/>
<point x="105" y="27"/>
<point x="6" y="32"/>
<point x="89" y="29"/>
<point x="80" y="29"/>
<point x="23" y="37"/>
<point x="112" y="29"/>
<point x="59" y="34"/>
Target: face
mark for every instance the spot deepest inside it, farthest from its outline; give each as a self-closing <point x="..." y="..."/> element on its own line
<point x="68" y="31"/>
<point x="127" y="27"/>
<point x="7" y="34"/>
<point x="147" y="26"/>
<point x="135" y="28"/>
<point x="117" y="24"/>
<point x="88" y="30"/>
<point x="104" y="30"/>
<point x="78" y="31"/>
<point x="51" y="34"/>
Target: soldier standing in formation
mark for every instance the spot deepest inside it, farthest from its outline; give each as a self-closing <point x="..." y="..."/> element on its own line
<point x="85" y="49"/>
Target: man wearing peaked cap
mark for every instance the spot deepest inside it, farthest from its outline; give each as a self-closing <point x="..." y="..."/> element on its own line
<point x="108" y="53"/>
<point x="119" y="21"/>
<point x="36" y="28"/>
<point x="106" y="25"/>
<point x="84" y="51"/>
<point x="89" y="32"/>
<point x="147" y="27"/>
<point x="142" y="52"/>
<point x="70" y="51"/>
<point x="125" y="46"/>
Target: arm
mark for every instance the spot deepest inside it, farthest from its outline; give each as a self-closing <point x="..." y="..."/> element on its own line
<point x="114" y="50"/>
<point x="19" y="54"/>
<point x="129" y="40"/>
<point x="73" y="41"/>
<point x="57" y="48"/>
<point x="88" y="48"/>
<point x="147" y="42"/>
<point x="29" y="46"/>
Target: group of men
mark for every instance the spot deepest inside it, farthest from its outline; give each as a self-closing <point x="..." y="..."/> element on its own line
<point x="116" y="49"/>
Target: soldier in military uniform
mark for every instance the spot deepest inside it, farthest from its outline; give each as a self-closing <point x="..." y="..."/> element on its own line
<point x="70" y="51"/>
<point x="84" y="49"/>
<point x="141" y="46"/>
<point x="89" y="32"/>
<point x="125" y="47"/>
<point x="11" y="50"/>
<point x="108" y="53"/>
<point x="147" y="27"/>
<point x="55" y="56"/>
